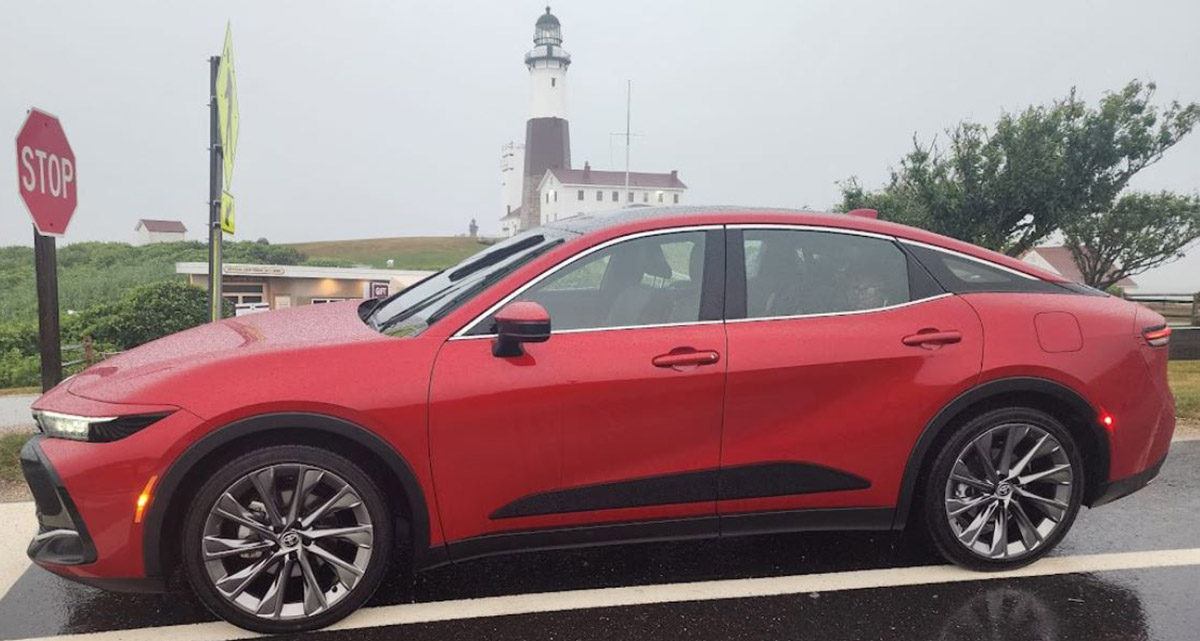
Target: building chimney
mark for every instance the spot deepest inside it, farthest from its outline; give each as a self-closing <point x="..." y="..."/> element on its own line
<point x="587" y="170"/>
<point x="674" y="175"/>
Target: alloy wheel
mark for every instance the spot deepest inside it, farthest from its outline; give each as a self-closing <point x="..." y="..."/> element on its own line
<point x="287" y="541"/>
<point x="1008" y="491"/>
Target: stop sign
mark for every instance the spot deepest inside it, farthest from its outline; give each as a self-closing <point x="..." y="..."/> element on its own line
<point x="46" y="173"/>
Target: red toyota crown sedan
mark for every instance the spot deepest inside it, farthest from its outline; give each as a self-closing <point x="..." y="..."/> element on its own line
<point x="649" y="374"/>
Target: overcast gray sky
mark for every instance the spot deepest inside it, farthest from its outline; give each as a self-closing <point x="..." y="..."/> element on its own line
<point x="369" y="119"/>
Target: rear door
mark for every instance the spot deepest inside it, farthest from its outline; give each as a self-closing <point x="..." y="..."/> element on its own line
<point x="841" y="349"/>
<point x="616" y="418"/>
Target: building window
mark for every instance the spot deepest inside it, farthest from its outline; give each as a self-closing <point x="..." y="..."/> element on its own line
<point x="553" y="82"/>
<point x="645" y="196"/>
<point x="616" y="196"/>
<point x="240" y="293"/>
<point x="599" y="196"/>
<point x="630" y="199"/>
<point x="660" y="195"/>
<point x="580" y="194"/>
<point x="676" y="197"/>
<point x="547" y="196"/>
<point x="555" y="195"/>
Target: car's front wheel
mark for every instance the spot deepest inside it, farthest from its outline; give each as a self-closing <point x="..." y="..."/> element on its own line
<point x="287" y="538"/>
<point x="1004" y="490"/>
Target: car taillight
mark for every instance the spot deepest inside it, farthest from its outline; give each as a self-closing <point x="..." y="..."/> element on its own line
<point x="1158" y="336"/>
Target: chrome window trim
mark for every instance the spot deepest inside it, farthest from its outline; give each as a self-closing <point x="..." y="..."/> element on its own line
<point x="981" y="261"/>
<point x="461" y="334"/>
<point x="853" y="312"/>
<point x="584" y="330"/>
<point x="816" y="228"/>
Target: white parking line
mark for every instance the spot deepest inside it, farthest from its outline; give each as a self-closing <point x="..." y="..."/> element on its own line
<point x="18" y="524"/>
<point x="671" y="593"/>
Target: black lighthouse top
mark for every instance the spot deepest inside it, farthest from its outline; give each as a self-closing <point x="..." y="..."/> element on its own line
<point x="548" y="31"/>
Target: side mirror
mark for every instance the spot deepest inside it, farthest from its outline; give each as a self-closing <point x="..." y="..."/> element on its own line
<point x="516" y="323"/>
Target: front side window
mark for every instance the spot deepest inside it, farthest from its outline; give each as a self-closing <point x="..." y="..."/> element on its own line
<point x="616" y="196"/>
<point x="800" y="272"/>
<point x="580" y="194"/>
<point x="652" y="280"/>
<point x="599" y="196"/>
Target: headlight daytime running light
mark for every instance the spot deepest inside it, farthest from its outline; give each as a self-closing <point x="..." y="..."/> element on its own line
<point x="97" y="429"/>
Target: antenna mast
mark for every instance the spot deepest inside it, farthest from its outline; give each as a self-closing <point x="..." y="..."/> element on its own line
<point x="628" y="102"/>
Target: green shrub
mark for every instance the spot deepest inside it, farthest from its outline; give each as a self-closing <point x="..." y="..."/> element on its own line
<point x="146" y="313"/>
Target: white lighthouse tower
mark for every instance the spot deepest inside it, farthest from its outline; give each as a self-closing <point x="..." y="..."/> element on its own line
<point x="547" y="63"/>
<point x="547" y="135"/>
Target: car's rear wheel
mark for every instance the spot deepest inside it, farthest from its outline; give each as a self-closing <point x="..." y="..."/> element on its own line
<point x="285" y="539"/>
<point x="1004" y="490"/>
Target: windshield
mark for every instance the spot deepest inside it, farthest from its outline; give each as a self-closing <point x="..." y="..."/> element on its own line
<point x="409" y="311"/>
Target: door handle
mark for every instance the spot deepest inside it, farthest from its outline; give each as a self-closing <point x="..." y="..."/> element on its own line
<point x="681" y="359"/>
<point x="932" y="338"/>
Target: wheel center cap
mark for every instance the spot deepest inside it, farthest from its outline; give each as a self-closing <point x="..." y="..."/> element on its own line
<point x="290" y="540"/>
<point x="1004" y="491"/>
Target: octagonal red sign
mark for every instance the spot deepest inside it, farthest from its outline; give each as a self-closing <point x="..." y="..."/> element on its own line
<point x="46" y="174"/>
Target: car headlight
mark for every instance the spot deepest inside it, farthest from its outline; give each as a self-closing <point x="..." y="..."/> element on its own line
<point x="97" y="429"/>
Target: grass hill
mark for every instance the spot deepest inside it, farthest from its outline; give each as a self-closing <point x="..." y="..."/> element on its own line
<point x="407" y="252"/>
<point x="91" y="273"/>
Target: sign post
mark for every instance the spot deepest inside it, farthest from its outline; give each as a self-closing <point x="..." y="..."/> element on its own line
<point x="223" y="133"/>
<point x="46" y="180"/>
<point x="214" y="195"/>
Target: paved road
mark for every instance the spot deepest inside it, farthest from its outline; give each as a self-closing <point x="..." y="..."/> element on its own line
<point x="1130" y="570"/>
<point x="14" y="410"/>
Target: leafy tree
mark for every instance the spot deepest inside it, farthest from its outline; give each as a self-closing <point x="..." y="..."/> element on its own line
<point x="1011" y="185"/>
<point x="1139" y="232"/>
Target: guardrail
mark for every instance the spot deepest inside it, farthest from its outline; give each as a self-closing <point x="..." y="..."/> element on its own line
<point x="1178" y="309"/>
<point x="89" y="355"/>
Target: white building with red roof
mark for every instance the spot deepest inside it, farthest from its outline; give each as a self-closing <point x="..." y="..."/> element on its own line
<point x="1058" y="259"/>
<point x="159" y="231"/>
<point x="569" y="192"/>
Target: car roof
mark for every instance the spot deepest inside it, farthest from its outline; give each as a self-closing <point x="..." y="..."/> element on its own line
<point x="637" y="219"/>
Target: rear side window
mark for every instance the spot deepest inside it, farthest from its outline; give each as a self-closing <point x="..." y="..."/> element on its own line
<point x="960" y="274"/>
<point x="803" y="272"/>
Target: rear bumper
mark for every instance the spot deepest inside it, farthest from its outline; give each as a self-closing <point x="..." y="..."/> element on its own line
<point x="1106" y="493"/>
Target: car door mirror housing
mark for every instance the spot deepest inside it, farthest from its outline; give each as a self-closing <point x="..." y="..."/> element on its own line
<point x="517" y="323"/>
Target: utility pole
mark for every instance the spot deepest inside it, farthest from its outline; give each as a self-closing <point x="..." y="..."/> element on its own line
<point x="214" y="194"/>
<point x="628" y="104"/>
<point x="628" y="135"/>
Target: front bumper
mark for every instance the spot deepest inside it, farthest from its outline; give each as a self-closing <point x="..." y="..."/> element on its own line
<point x="62" y="538"/>
<point x="62" y="543"/>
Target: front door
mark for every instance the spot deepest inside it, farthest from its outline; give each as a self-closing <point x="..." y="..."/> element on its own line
<point x="843" y="350"/>
<point x="595" y="425"/>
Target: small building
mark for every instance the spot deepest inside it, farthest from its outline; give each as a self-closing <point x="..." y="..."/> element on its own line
<point x="263" y="287"/>
<point x="1058" y="259"/>
<point x="569" y="192"/>
<point x="159" y="231"/>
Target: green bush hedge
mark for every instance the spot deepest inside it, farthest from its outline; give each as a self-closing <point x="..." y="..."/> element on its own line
<point x="143" y="314"/>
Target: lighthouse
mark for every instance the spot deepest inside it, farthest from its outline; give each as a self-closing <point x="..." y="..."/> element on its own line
<point x="547" y="134"/>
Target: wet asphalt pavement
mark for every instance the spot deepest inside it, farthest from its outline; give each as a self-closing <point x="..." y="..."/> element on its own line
<point x="1151" y="603"/>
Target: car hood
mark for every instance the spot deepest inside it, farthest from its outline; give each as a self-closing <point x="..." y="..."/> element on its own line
<point x="214" y="344"/>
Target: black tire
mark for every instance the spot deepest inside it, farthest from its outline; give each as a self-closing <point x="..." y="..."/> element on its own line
<point x="938" y="492"/>
<point x="335" y="467"/>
